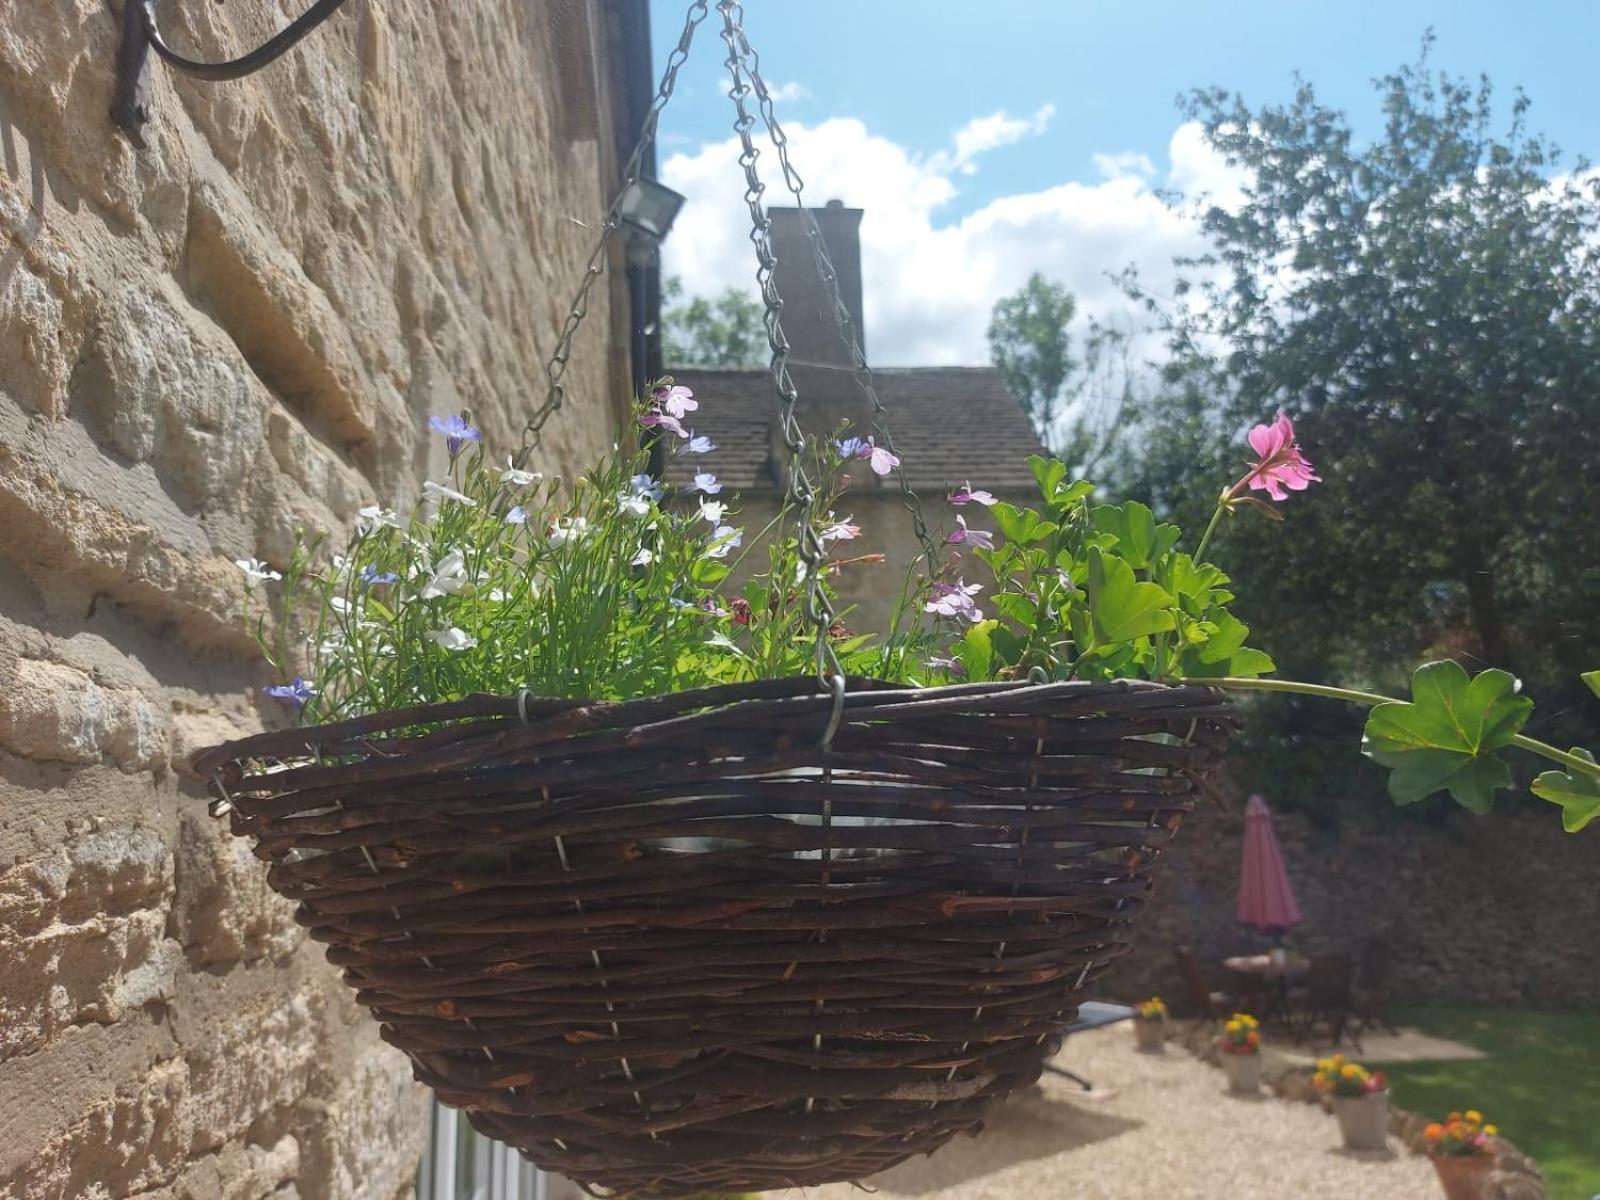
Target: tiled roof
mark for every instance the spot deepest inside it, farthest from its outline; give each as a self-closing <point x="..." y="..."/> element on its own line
<point x="949" y="424"/>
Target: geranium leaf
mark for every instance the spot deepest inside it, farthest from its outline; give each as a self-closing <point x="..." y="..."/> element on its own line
<point x="1134" y="527"/>
<point x="1576" y="792"/>
<point x="1445" y="738"/>
<point x="1123" y="607"/>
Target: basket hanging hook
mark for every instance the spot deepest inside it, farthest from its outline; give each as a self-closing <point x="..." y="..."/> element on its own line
<point x="130" y="108"/>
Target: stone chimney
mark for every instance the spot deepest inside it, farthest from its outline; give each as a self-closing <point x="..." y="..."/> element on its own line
<point x="808" y="318"/>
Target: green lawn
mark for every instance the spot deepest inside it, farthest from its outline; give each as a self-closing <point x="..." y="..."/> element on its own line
<point x="1540" y="1084"/>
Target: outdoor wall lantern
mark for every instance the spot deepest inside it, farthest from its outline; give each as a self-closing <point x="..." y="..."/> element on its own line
<point x="649" y="208"/>
<point x="131" y="107"/>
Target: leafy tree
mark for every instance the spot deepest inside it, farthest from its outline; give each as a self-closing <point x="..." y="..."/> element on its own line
<point x="1030" y="347"/>
<point x="727" y="331"/>
<point x="1427" y="306"/>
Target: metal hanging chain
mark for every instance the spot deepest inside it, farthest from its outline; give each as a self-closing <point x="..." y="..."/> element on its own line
<point x="247" y="64"/>
<point x="556" y="368"/>
<point x="802" y="493"/>
<point x="862" y="373"/>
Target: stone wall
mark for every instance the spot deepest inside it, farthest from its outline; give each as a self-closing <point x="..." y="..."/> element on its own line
<point x="1497" y="910"/>
<point x="204" y="345"/>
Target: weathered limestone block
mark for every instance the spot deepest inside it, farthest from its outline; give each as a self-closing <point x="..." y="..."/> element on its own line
<point x="226" y="913"/>
<point x="85" y="935"/>
<point x="55" y="713"/>
<point x="206" y="344"/>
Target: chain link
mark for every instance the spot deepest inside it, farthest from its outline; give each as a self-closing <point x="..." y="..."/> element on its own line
<point x="862" y="373"/>
<point x="802" y="493"/>
<point x="556" y="367"/>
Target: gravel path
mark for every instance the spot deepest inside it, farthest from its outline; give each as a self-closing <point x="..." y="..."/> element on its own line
<point x="1162" y="1127"/>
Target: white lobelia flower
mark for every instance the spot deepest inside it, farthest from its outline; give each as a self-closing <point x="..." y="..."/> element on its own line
<point x="449" y="577"/>
<point x="372" y="517"/>
<point x="723" y="642"/>
<point x="255" y="571"/>
<point x="630" y="503"/>
<point x="453" y="639"/>
<point x="514" y="476"/>
<point x="644" y="558"/>
<point x="440" y="492"/>
<point x="713" y="510"/>
<point x="568" y="529"/>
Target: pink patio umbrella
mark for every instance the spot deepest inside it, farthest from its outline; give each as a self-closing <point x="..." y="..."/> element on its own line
<point x="1266" y="901"/>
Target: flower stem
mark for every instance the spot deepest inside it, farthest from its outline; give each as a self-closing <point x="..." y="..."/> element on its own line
<point x="1533" y="745"/>
<point x="1199" y="551"/>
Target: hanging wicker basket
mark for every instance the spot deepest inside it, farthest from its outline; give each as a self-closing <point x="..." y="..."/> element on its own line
<point x="675" y="945"/>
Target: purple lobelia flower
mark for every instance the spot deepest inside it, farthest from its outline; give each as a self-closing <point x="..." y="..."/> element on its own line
<point x="705" y="481"/>
<point x="296" y="693"/>
<point x="882" y="461"/>
<point x="981" y="538"/>
<point x="676" y="401"/>
<point x="643" y="486"/>
<point x="655" y="419"/>
<point x="456" y="432"/>
<point x="372" y="577"/>
<point x="965" y="495"/>
<point x="954" y="600"/>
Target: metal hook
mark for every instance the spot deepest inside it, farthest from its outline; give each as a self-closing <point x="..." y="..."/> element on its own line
<point x="837" y="683"/>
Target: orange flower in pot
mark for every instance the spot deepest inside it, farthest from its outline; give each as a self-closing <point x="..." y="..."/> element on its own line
<point x="1359" y="1098"/>
<point x="1461" y="1148"/>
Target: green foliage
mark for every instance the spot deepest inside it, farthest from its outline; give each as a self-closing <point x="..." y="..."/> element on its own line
<point x="501" y="580"/>
<point x="1424" y="304"/>
<point x="1030" y="347"/>
<point x="1098" y="592"/>
<point x="1577" y="793"/>
<point x="725" y="331"/>
<point x="1445" y="739"/>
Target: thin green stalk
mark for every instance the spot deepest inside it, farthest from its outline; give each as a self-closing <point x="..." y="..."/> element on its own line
<point x="1368" y="699"/>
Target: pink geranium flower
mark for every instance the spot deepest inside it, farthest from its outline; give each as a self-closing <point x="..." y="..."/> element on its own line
<point x="1281" y="464"/>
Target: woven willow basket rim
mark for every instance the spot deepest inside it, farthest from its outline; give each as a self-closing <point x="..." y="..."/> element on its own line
<point x="672" y="945"/>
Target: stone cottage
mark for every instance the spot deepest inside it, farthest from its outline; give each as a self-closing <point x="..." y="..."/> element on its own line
<point x="950" y="424"/>
<point x="237" y="330"/>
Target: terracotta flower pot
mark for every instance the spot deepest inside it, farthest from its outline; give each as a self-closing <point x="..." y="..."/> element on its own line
<point x="1150" y="1034"/>
<point x="1464" y="1177"/>
<point x="1244" y="1072"/>
<point x="1363" y="1120"/>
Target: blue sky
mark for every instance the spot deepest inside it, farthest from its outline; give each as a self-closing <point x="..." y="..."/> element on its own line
<point x="1073" y="92"/>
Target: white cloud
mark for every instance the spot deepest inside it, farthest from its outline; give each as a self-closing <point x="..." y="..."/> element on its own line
<point x="792" y="90"/>
<point x="983" y="134"/>
<point x="1124" y="163"/>
<point x="929" y="283"/>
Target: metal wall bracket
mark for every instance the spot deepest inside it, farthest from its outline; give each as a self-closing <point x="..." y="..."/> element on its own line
<point x="130" y="108"/>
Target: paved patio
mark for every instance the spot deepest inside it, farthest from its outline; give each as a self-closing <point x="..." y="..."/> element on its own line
<point x="1157" y="1126"/>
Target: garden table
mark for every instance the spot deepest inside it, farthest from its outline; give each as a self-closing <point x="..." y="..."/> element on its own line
<point x="1270" y="976"/>
<point x="1092" y="1014"/>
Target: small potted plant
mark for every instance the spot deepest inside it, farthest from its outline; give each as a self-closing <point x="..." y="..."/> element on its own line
<point x="1461" y="1152"/>
<point x="1150" y="1025"/>
<point x="1360" y="1100"/>
<point x="1241" y="1053"/>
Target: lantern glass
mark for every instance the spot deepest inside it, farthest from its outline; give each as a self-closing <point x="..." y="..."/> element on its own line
<point x="650" y="207"/>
